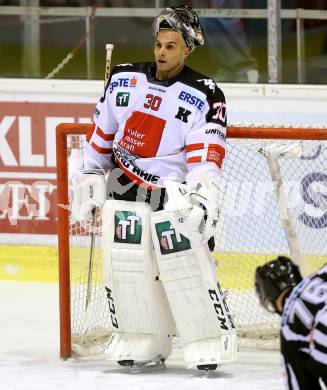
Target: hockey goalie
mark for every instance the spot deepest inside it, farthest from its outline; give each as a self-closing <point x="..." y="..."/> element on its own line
<point x="152" y="163"/>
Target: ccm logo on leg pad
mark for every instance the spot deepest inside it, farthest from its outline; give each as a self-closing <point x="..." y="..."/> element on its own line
<point x="223" y="321"/>
<point x="111" y="308"/>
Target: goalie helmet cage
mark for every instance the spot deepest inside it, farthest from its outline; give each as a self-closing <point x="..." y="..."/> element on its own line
<point x="258" y="221"/>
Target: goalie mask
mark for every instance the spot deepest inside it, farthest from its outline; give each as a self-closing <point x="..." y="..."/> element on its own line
<point x="273" y="278"/>
<point x="182" y="19"/>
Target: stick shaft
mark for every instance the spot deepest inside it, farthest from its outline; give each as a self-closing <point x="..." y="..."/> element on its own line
<point x="91" y="255"/>
<point x="109" y="49"/>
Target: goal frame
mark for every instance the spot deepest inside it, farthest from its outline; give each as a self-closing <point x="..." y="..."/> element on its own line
<point x="66" y="129"/>
<point x="62" y="131"/>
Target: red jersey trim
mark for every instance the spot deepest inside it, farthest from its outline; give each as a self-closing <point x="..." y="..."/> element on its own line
<point x="90" y="133"/>
<point x="106" y="137"/>
<point x="215" y="154"/>
<point x="191" y="147"/>
<point x="101" y="150"/>
<point x="194" y="159"/>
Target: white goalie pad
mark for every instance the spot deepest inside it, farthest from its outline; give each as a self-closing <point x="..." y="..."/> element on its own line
<point x="197" y="302"/>
<point x="140" y="313"/>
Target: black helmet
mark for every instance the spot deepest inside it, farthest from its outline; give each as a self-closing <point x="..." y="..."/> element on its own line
<point x="275" y="277"/>
<point x="183" y="19"/>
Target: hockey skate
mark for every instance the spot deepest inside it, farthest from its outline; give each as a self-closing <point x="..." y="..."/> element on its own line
<point x="207" y="368"/>
<point x="147" y="366"/>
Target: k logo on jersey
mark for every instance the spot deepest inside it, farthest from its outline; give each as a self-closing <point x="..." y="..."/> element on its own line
<point x="183" y="114"/>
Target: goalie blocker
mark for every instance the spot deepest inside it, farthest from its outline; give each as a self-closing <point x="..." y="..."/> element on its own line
<point x="154" y="297"/>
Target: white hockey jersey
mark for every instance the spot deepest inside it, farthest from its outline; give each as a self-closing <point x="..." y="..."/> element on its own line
<point x="157" y="130"/>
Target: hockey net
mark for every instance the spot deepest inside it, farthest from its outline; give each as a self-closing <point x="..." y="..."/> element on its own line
<point x="274" y="202"/>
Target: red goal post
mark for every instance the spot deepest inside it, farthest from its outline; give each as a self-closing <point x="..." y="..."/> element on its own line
<point x="66" y="130"/>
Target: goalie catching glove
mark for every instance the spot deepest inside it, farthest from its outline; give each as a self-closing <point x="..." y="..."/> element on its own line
<point x="89" y="192"/>
<point x="195" y="207"/>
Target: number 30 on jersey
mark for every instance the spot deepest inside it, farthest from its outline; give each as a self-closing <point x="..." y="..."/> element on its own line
<point x="153" y="102"/>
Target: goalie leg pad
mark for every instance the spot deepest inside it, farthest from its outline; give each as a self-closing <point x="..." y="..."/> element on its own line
<point x="140" y="313"/>
<point x="201" y="314"/>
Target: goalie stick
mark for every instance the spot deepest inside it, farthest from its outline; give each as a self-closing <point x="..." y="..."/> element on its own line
<point x="91" y="254"/>
<point x="82" y="351"/>
<point x="109" y="49"/>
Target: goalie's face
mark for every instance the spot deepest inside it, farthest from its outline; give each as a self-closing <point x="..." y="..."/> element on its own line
<point x="170" y="52"/>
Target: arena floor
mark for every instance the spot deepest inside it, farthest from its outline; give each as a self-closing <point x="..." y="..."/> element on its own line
<point x="29" y="357"/>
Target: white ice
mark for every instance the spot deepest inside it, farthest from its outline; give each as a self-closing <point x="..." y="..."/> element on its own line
<point x="29" y="355"/>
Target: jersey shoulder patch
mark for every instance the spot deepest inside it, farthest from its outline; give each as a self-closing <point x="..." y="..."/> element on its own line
<point x="215" y="96"/>
<point x="197" y="80"/>
<point x="202" y="83"/>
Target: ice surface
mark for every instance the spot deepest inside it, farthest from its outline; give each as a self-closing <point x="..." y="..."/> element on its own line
<point x="29" y="357"/>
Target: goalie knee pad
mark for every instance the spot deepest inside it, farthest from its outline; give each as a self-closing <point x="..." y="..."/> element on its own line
<point x="140" y="313"/>
<point x="201" y="314"/>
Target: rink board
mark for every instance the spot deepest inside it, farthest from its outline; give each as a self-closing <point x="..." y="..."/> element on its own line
<point x="40" y="264"/>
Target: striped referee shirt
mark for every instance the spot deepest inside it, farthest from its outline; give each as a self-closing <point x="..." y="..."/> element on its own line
<point x="304" y="321"/>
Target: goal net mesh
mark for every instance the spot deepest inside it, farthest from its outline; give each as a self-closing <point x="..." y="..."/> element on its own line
<point x="273" y="197"/>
